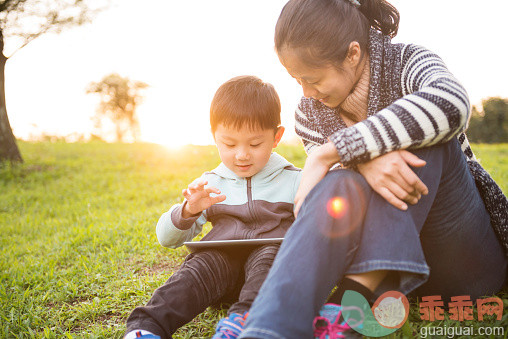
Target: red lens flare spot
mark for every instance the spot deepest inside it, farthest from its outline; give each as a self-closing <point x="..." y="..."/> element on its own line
<point x="336" y="207"/>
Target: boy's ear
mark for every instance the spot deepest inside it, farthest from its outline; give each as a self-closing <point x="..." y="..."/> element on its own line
<point x="278" y="136"/>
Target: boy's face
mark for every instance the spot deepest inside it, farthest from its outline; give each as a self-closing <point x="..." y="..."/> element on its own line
<point x="246" y="151"/>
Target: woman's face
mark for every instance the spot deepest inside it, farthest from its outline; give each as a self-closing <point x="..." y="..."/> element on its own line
<point x="328" y="84"/>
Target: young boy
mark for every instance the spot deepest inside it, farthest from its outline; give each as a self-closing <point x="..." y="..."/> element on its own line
<point x="249" y="195"/>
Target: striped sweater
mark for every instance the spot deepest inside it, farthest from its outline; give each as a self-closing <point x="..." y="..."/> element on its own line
<point x="414" y="102"/>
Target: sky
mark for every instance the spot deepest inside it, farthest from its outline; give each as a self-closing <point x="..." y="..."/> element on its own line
<point x="184" y="50"/>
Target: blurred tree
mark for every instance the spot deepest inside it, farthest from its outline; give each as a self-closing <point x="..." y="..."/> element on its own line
<point x="490" y="125"/>
<point x="22" y="21"/>
<point x="120" y="97"/>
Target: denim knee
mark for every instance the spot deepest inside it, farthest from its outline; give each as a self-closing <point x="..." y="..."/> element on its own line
<point x="346" y="184"/>
<point x="337" y="204"/>
<point x="340" y="178"/>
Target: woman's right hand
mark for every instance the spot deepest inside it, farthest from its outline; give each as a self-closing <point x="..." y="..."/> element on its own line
<point x="392" y="178"/>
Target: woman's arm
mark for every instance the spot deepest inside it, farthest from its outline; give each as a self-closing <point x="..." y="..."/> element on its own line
<point x="434" y="109"/>
<point x="318" y="163"/>
<point x="389" y="175"/>
<point x="308" y="132"/>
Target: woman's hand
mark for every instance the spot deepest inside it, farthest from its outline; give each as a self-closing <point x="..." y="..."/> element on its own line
<point x="392" y="178"/>
<point x="318" y="163"/>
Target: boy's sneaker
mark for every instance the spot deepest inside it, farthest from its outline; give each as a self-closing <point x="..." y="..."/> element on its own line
<point x="230" y="327"/>
<point x="327" y="326"/>
<point x="141" y="334"/>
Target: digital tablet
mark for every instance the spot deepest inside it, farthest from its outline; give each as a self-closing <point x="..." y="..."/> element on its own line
<point x="194" y="246"/>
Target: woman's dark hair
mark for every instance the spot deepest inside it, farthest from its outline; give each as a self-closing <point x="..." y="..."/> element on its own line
<point x="245" y="101"/>
<point x="320" y="31"/>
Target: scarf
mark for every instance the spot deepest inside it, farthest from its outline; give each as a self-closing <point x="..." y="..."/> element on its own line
<point x="354" y="108"/>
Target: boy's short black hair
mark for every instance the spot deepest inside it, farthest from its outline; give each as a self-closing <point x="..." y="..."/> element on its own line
<point x="245" y="100"/>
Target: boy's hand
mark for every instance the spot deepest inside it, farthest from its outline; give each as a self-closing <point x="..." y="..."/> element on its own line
<point x="198" y="198"/>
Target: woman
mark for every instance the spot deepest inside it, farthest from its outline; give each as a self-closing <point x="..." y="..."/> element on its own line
<point x="390" y="219"/>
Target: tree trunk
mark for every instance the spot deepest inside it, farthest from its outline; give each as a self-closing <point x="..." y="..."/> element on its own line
<point x="8" y="147"/>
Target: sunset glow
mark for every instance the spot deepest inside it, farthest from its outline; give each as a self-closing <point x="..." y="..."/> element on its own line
<point x="185" y="50"/>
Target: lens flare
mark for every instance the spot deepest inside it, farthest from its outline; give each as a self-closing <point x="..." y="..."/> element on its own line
<point x="336" y="207"/>
<point x="344" y="211"/>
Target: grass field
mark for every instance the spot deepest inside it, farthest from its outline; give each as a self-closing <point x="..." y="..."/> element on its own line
<point x="78" y="249"/>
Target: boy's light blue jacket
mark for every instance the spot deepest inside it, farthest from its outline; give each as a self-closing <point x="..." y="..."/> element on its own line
<point x="256" y="207"/>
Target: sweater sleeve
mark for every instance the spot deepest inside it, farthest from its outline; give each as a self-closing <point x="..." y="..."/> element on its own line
<point x="173" y="230"/>
<point x="434" y="108"/>
<point x="306" y="130"/>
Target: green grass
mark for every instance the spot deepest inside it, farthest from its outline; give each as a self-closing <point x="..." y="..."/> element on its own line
<point x="78" y="249"/>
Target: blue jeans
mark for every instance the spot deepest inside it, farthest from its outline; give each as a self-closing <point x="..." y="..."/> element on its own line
<point x="442" y="245"/>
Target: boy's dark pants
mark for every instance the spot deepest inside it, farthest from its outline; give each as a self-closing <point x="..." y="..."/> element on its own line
<point x="206" y="278"/>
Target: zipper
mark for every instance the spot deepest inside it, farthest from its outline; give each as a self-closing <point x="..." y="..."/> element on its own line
<point x="250" y="205"/>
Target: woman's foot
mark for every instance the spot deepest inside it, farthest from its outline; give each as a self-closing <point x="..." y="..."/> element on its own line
<point x="330" y="325"/>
